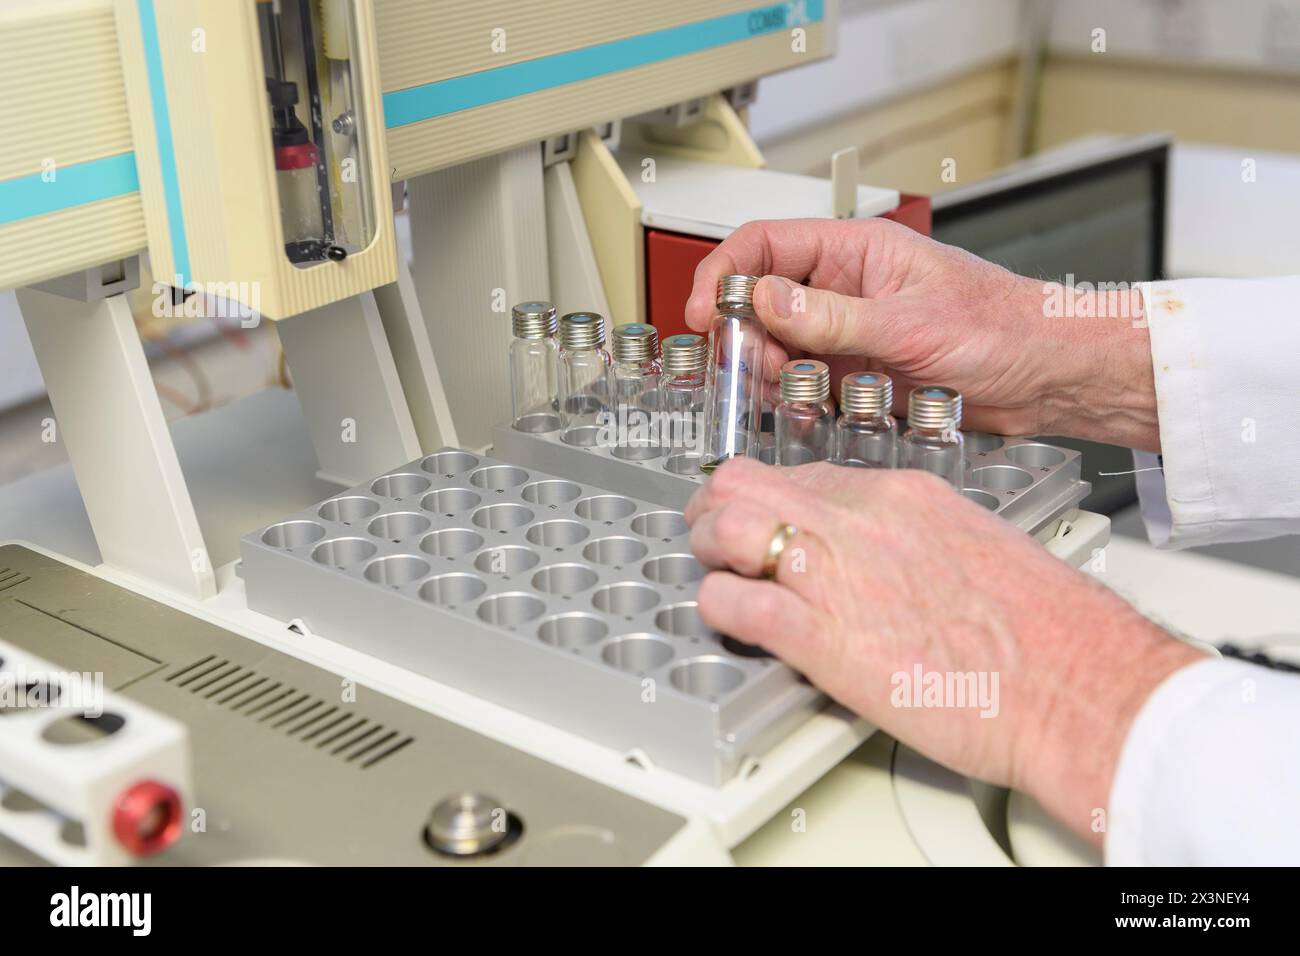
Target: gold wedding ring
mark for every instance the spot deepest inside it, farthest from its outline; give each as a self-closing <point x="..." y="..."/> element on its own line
<point x="776" y="547"/>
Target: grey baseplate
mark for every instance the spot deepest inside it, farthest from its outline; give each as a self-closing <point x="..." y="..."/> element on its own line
<point x="293" y="763"/>
<point x="1027" y="482"/>
<point x="550" y="596"/>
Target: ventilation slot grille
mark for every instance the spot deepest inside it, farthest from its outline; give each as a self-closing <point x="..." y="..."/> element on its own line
<point x="330" y="728"/>
<point x="9" y="578"/>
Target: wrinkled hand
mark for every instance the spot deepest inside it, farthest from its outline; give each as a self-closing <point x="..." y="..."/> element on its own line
<point x="872" y="293"/>
<point x="893" y="570"/>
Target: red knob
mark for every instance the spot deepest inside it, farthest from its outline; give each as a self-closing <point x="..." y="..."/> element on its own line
<point x="299" y="156"/>
<point x="147" y="817"/>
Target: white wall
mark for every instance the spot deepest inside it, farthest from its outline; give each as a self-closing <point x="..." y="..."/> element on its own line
<point x="886" y="48"/>
<point x="1222" y="225"/>
<point x="1243" y="34"/>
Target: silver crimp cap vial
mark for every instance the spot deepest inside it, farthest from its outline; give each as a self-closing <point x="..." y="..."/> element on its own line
<point x="685" y="354"/>
<point x="805" y="380"/>
<point x="582" y="330"/>
<point x="533" y="320"/>
<point x="635" y="342"/>
<point x="866" y="393"/>
<point x="934" y="406"/>
<point x="736" y="291"/>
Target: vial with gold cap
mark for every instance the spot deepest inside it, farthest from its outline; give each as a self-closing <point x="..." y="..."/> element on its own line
<point x="734" y="407"/>
<point x="932" y="441"/>
<point x="634" y="379"/>
<point x="584" y="378"/>
<point x="681" y="400"/>
<point x="534" y="367"/>
<point x="865" y="434"/>
<point x="805" y="419"/>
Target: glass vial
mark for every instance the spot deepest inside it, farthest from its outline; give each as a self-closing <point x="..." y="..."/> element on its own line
<point x="534" y="367"/>
<point x="865" y="435"/>
<point x="932" y="441"/>
<point x="635" y="382"/>
<point x="681" y="400"/>
<point x="318" y="123"/>
<point x="805" y="419"/>
<point x="584" y="378"/>
<point x="737" y="340"/>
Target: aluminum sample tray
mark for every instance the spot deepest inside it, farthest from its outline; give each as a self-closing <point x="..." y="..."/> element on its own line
<point x="552" y="597"/>
<point x="1027" y="482"/>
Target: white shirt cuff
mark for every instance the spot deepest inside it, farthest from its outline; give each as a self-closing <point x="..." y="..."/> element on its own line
<point x="1223" y="355"/>
<point x="1210" y="772"/>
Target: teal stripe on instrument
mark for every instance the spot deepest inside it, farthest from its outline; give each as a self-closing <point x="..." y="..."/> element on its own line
<point x="166" y="147"/>
<point x="419" y="103"/>
<point x="63" y="187"/>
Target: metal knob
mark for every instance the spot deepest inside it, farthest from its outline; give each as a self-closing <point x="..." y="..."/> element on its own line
<point x="463" y="825"/>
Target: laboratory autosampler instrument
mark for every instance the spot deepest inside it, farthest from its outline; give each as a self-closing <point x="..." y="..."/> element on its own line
<point x="454" y="641"/>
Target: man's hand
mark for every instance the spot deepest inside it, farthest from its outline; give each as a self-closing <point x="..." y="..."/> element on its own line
<point x="872" y="293"/>
<point x="892" y="571"/>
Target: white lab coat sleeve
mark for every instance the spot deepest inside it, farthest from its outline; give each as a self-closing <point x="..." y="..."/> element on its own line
<point x="1226" y="353"/>
<point x="1210" y="772"/>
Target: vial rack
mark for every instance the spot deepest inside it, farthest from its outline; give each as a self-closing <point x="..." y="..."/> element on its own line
<point x="1029" y="483"/>
<point x="550" y="596"/>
